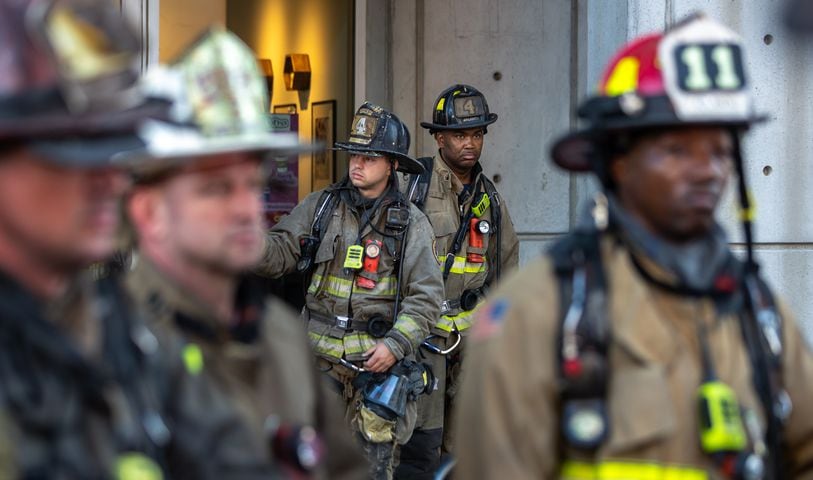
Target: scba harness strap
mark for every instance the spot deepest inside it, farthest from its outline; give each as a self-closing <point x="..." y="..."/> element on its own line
<point x="583" y="346"/>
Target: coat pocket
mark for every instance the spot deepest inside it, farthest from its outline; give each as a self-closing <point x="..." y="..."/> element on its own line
<point x="444" y="227"/>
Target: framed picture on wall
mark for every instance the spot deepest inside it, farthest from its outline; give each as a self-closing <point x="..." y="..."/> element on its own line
<point x="285" y="108"/>
<point x="323" y="130"/>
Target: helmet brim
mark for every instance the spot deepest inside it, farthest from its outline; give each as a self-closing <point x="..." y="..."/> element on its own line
<point x="85" y="152"/>
<point x="156" y="159"/>
<point x="434" y="127"/>
<point x="576" y="151"/>
<point x="406" y="164"/>
<point x="53" y="120"/>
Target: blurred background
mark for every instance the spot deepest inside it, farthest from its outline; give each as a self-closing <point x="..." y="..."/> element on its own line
<point x="534" y="60"/>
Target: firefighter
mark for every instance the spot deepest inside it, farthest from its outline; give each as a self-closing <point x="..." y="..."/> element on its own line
<point x="640" y="346"/>
<point x="374" y="287"/>
<point x="476" y="244"/>
<point x="196" y="209"/>
<point x="83" y="389"/>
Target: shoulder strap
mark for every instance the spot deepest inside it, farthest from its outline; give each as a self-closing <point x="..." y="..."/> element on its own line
<point x="400" y="264"/>
<point x="460" y="235"/>
<point x="496" y="217"/>
<point x="324" y="208"/>
<point x="309" y="244"/>
<point x="761" y="327"/>
<point x="583" y="340"/>
<point x="418" y="186"/>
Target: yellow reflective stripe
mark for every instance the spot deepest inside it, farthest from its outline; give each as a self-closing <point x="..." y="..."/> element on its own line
<point x="408" y="327"/>
<point x="460" y="265"/>
<point x="332" y="285"/>
<point x="384" y="287"/>
<point x="341" y="287"/>
<point x="327" y="345"/>
<point x="629" y="471"/>
<point x="357" y="343"/>
<point x="462" y="321"/>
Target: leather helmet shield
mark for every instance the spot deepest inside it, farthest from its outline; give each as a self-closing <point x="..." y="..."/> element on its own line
<point x="364" y="127"/>
<point x="704" y="73"/>
<point x="96" y="58"/>
<point x="469" y="108"/>
<point x="226" y="92"/>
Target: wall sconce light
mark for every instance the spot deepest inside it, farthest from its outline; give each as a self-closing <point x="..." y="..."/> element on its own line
<point x="268" y="73"/>
<point x="297" y="71"/>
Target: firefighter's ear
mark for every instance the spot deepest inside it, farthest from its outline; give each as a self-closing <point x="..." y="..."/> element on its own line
<point x="147" y="212"/>
<point x="618" y="169"/>
<point x="440" y="139"/>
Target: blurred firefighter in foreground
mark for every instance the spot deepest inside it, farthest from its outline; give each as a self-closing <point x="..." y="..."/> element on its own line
<point x="84" y="388"/>
<point x="197" y="212"/>
<point x="640" y="347"/>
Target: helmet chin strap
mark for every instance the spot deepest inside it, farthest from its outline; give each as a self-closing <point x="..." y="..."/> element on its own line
<point x="746" y="212"/>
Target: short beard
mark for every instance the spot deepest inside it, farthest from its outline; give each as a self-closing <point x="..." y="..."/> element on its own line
<point x="60" y="261"/>
<point x="215" y="266"/>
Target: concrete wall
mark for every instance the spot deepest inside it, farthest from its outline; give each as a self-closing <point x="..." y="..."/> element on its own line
<point x="517" y="52"/>
<point x="549" y="54"/>
<point x="323" y="30"/>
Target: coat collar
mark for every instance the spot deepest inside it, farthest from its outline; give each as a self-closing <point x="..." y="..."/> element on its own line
<point x="167" y="302"/>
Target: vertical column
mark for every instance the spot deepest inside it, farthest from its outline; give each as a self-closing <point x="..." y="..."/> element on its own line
<point x="144" y="15"/>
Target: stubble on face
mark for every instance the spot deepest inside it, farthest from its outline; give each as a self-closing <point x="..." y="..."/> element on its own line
<point x="215" y="215"/>
<point x="460" y="149"/>
<point x="65" y="218"/>
<point x="370" y="175"/>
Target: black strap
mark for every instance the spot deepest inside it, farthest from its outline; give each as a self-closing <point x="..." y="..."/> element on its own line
<point x="496" y="217"/>
<point x="460" y="235"/>
<point x="400" y="277"/>
<point x="135" y="369"/>
<point x="324" y="208"/>
<point x="418" y="186"/>
<point x="766" y="365"/>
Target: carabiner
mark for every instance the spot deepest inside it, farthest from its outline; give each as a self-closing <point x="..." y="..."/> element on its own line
<point x="351" y="366"/>
<point x="435" y="349"/>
